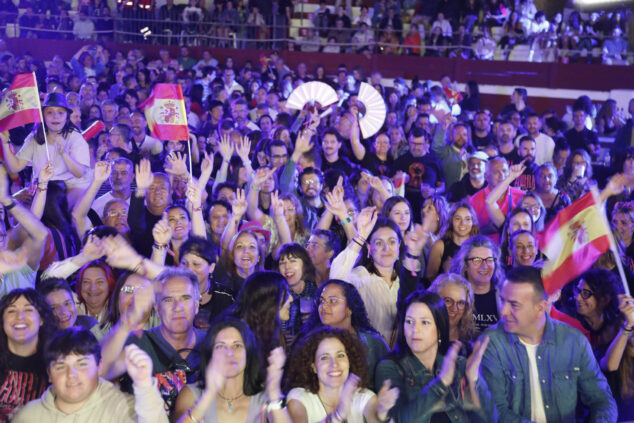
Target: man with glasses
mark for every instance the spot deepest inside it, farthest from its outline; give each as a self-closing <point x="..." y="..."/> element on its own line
<point x="539" y="369"/>
<point x="229" y="80"/>
<point x="173" y="346"/>
<point x="277" y="153"/>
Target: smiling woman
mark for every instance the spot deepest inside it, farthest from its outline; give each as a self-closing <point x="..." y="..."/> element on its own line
<point x="95" y="283"/>
<point x="27" y="323"/>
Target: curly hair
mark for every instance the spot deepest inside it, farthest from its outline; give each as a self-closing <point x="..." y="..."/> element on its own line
<point x="466" y="325"/>
<point x="47" y="318"/>
<point x="110" y="279"/>
<point x="568" y="167"/>
<point x="448" y="230"/>
<point x="300" y="375"/>
<point x="459" y="262"/>
<point x="258" y="304"/>
<point x="605" y="287"/>
<point x="358" y="317"/>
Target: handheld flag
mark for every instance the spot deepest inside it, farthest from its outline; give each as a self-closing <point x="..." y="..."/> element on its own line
<point x="95" y="128"/>
<point x="165" y="113"/>
<point x="21" y="103"/>
<point x="573" y="241"/>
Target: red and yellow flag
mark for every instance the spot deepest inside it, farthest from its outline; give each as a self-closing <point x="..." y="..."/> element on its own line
<point x="165" y="113"/>
<point x="21" y="103"/>
<point x="573" y="241"/>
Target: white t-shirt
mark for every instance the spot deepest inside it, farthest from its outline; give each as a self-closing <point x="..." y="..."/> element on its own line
<point x="316" y="412"/>
<point x="538" y="413"/>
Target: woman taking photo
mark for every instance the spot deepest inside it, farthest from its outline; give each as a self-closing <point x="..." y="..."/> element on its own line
<point x="67" y="149"/>
<point x="462" y="225"/>
<point x="334" y="386"/>
<point x="27" y="322"/>
<point x="428" y="372"/>
<point x="339" y="305"/>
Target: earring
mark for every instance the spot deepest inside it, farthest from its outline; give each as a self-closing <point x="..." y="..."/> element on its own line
<point x="439" y="340"/>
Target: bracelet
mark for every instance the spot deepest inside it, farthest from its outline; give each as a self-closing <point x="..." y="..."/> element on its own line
<point x="412" y="256"/>
<point x="625" y="328"/>
<point x="197" y="209"/>
<point x="10" y="206"/>
<point x="362" y="238"/>
<point x="274" y="405"/>
<point x="159" y="246"/>
<point x="345" y="221"/>
<point x="140" y="268"/>
<point x="189" y="415"/>
<point x="357" y="242"/>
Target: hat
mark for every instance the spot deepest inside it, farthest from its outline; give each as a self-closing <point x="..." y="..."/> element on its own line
<point x="255" y="226"/>
<point x="56" y="100"/>
<point x="480" y="155"/>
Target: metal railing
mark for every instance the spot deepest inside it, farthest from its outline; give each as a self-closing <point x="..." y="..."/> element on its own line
<point x="137" y="26"/>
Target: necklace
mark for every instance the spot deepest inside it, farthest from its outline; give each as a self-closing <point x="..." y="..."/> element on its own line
<point x="325" y="404"/>
<point x="230" y="400"/>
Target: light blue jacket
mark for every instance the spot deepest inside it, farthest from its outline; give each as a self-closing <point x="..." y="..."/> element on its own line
<point x="568" y="373"/>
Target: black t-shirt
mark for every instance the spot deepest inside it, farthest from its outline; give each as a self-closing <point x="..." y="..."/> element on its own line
<point x="421" y="170"/>
<point x="482" y="142"/>
<point x="377" y="166"/>
<point x="221" y="299"/>
<point x="463" y="189"/>
<point x="342" y="164"/>
<point x="512" y="158"/>
<point x="526" y="180"/>
<point x="26" y="380"/>
<point x="581" y="139"/>
<point x="485" y="310"/>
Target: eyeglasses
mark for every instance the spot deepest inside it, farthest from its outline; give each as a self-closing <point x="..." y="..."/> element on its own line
<point x="114" y="213"/>
<point x="585" y="293"/>
<point x="450" y="302"/>
<point x="330" y="300"/>
<point x="533" y="209"/>
<point x="477" y="261"/>
<point x="310" y="182"/>
<point x="127" y="289"/>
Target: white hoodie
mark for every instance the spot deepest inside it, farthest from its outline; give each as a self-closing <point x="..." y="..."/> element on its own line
<point x="106" y="404"/>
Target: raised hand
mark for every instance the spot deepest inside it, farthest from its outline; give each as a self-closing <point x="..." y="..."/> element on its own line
<point x="616" y="185"/>
<point x="473" y="362"/>
<point x="366" y="220"/>
<point x="4" y="186"/>
<point x="448" y="369"/>
<point x="177" y="164"/>
<point x="244" y="149"/>
<point x="386" y="399"/>
<point x="516" y="170"/>
<point x="415" y="240"/>
<point x="260" y="176"/>
<point x="138" y="364"/>
<point x="225" y="148"/>
<point x="102" y="171"/>
<point x="193" y="195"/>
<point x="143" y="175"/>
<point x="274" y="373"/>
<point x="142" y="303"/>
<point x="10" y="261"/>
<point x="626" y="306"/>
<point x="303" y="143"/>
<point x="277" y="205"/>
<point x="46" y="173"/>
<point x="206" y="166"/>
<point x="162" y="231"/>
<point x="119" y="253"/>
<point x="93" y="249"/>
<point x="239" y="205"/>
<point x="334" y="203"/>
<point x="346" y="395"/>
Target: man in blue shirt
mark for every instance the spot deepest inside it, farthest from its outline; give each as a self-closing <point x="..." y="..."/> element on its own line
<point x="536" y="368"/>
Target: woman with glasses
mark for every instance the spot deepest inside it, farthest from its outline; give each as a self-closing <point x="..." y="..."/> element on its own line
<point x="546" y="189"/>
<point x="533" y="203"/>
<point x="623" y="229"/>
<point x="478" y="261"/>
<point x="462" y="225"/>
<point x="338" y="304"/>
<point x="595" y="297"/>
<point x="458" y="297"/>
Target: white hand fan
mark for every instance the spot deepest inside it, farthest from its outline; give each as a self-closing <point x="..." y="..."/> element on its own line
<point x="313" y="93"/>
<point x="375" y="110"/>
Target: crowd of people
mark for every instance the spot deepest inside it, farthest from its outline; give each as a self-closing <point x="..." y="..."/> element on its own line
<point x="298" y="271"/>
<point x="468" y="29"/>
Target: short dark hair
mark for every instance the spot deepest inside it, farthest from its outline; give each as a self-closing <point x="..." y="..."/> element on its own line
<point x="296" y="250"/>
<point x="526" y="138"/>
<point x="274" y="143"/>
<point x="73" y="340"/>
<point x="522" y="91"/>
<point x="221" y="203"/>
<point x="333" y="243"/>
<point x="330" y="131"/>
<point x="531" y="275"/>
<point x="231" y="185"/>
<point x="200" y="247"/>
<point x="54" y="284"/>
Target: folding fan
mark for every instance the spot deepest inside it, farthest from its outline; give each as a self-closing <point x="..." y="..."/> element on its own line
<point x="375" y="110"/>
<point x="314" y="93"/>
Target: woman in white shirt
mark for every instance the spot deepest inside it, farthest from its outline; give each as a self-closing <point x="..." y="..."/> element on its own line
<point x="333" y="387"/>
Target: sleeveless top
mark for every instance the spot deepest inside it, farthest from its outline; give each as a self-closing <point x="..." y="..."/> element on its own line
<point x="450" y="251"/>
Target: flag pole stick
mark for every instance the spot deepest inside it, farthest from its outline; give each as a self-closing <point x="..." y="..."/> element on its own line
<point x="613" y="247"/>
<point x="39" y="108"/>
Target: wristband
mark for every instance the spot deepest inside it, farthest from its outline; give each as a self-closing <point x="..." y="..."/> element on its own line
<point x="345" y="221"/>
<point x="625" y="328"/>
<point x="357" y="242"/>
<point x="197" y="209"/>
<point x="274" y="405"/>
<point x="159" y="246"/>
<point x="10" y="206"/>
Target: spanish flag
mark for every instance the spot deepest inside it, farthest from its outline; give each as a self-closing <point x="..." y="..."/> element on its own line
<point x="165" y="113"/>
<point x="573" y="241"/>
<point x="21" y="103"/>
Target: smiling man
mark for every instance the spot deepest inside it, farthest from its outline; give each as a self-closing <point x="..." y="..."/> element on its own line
<point x="78" y="394"/>
<point x="539" y="369"/>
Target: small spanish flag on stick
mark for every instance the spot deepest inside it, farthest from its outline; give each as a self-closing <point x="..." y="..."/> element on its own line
<point x="20" y="103"/>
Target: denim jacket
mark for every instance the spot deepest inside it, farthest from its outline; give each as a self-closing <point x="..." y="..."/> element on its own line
<point x="422" y="393"/>
<point x="567" y="369"/>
